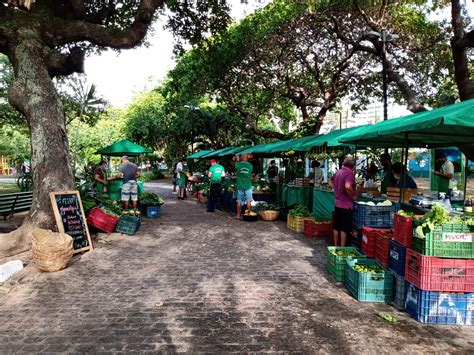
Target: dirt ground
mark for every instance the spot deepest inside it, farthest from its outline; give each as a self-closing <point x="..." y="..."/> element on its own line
<point x="193" y="281"/>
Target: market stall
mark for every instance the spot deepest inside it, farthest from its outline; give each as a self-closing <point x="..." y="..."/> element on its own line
<point x="422" y="263"/>
<point x="118" y="149"/>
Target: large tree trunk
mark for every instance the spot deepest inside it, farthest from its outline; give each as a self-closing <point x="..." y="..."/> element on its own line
<point x="33" y="94"/>
<point x="460" y="53"/>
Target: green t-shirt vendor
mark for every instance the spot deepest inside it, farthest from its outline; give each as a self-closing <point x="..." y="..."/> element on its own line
<point x="388" y="179"/>
<point x="243" y="170"/>
<point x="216" y="173"/>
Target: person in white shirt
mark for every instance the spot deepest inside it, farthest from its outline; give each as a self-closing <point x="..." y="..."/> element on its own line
<point x="316" y="175"/>
<point x="445" y="175"/>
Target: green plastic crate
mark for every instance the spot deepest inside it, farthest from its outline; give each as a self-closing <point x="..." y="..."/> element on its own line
<point x="367" y="287"/>
<point x="336" y="265"/>
<point x="437" y="243"/>
<point x="128" y="224"/>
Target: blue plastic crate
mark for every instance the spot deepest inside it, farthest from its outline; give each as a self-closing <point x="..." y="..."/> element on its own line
<point x="374" y="216"/>
<point x="153" y="211"/>
<point x="369" y="287"/>
<point x="440" y="307"/>
<point x="397" y="259"/>
<point x="400" y="288"/>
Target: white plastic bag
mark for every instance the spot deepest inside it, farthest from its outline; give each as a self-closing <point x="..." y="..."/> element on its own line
<point x="10" y="268"/>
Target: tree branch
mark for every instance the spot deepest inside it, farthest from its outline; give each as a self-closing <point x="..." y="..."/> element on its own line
<point x="65" y="64"/>
<point x="61" y="32"/>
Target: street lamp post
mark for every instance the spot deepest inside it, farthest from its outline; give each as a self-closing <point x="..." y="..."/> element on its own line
<point x="383" y="36"/>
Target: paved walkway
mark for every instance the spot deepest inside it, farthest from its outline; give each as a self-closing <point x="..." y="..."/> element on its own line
<point x="198" y="282"/>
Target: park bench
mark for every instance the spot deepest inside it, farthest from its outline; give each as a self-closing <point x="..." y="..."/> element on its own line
<point x="16" y="202"/>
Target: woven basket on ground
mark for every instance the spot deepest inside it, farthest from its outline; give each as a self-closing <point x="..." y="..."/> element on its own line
<point x="51" y="251"/>
<point x="268" y="215"/>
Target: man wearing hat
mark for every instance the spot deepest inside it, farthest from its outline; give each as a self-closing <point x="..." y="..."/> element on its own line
<point x="129" y="173"/>
<point x="216" y="173"/>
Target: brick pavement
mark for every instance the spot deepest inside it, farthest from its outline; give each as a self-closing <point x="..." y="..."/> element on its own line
<point x="198" y="282"/>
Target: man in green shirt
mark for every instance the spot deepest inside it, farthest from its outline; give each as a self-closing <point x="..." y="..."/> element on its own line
<point x="243" y="170"/>
<point x="216" y="172"/>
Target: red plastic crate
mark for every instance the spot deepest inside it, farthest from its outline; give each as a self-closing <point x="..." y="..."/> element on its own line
<point x="369" y="236"/>
<point x="430" y="273"/>
<point x="101" y="220"/>
<point x="403" y="229"/>
<point x="382" y="247"/>
<point x="315" y="229"/>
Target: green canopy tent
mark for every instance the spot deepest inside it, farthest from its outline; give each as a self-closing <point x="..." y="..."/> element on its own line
<point x="294" y="144"/>
<point x="331" y="139"/>
<point x="123" y="147"/>
<point x="199" y="154"/>
<point x="441" y="127"/>
<point x="451" y="125"/>
<point x="223" y="152"/>
<point x="232" y="151"/>
<point x="275" y="148"/>
<point x="261" y="149"/>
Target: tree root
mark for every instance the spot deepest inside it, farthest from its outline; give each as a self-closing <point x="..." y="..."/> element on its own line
<point x="17" y="241"/>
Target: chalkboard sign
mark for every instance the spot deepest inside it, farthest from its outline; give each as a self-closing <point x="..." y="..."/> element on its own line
<point x="70" y="218"/>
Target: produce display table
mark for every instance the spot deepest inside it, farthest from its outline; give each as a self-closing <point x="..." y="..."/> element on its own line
<point x="323" y="204"/>
<point x="296" y="195"/>
<point x="263" y="196"/>
<point x="114" y="188"/>
<point x="279" y="192"/>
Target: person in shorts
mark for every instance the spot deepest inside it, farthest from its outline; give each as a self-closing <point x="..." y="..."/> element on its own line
<point x="343" y="183"/>
<point x="216" y="173"/>
<point x="129" y="173"/>
<point x="243" y="170"/>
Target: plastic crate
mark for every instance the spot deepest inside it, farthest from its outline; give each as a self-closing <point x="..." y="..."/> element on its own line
<point x="101" y="220"/>
<point x="153" y="211"/>
<point x="399" y="291"/>
<point x="336" y="264"/>
<point x="447" y="241"/>
<point x="436" y="274"/>
<point x="382" y="246"/>
<point x="440" y="308"/>
<point x="369" y="240"/>
<point x="397" y="259"/>
<point x="317" y="229"/>
<point x="296" y="223"/>
<point x="356" y="238"/>
<point x="367" y="287"/>
<point x="128" y="224"/>
<point x="374" y="216"/>
<point x="402" y="229"/>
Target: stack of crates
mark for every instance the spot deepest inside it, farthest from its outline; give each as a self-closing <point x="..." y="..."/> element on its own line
<point x="402" y="233"/>
<point x="439" y="271"/>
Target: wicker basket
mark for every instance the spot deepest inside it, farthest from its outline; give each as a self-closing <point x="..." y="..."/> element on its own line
<point x="269" y="215"/>
<point x="51" y="251"/>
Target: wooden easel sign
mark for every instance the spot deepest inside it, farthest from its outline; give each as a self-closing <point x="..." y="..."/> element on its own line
<point x="71" y="219"/>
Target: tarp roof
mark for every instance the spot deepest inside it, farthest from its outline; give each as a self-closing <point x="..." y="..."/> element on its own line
<point x="278" y="147"/>
<point x="199" y="154"/>
<point x="331" y="139"/>
<point x="294" y="144"/>
<point x="223" y="152"/>
<point x="441" y="127"/>
<point x="123" y="147"/>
